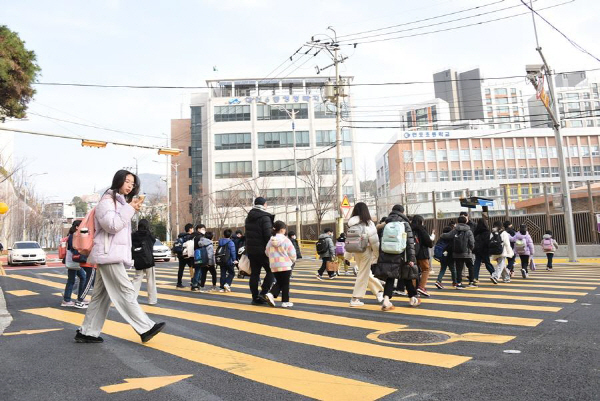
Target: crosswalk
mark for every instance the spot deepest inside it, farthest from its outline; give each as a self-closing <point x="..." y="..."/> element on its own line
<point x="490" y="315"/>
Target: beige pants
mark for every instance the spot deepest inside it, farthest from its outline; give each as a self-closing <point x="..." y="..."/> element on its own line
<point x="150" y="284"/>
<point x="113" y="285"/>
<point x="364" y="277"/>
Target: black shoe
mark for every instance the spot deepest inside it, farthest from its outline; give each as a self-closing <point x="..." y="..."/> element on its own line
<point x="82" y="338"/>
<point x="179" y="285"/>
<point x="147" y="336"/>
<point x="258" y="301"/>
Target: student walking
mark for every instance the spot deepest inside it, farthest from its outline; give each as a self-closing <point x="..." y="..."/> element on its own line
<point x="524" y="248"/>
<point x="549" y="246"/>
<point x="500" y="251"/>
<point x="294" y="239"/>
<point x="463" y="243"/>
<point x="111" y="252"/>
<point x="481" y="251"/>
<point x="282" y="256"/>
<point x="259" y="228"/>
<point x="425" y="241"/>
<point x="340" y="252"/>
<point x="363" y="242"/>
<point x="182" y="251"/>
<point x="443" y="254"/>
<point x="142" y="244"/>
<point x="397" y="259"/>
<point x="326" y="251"/>
<point x="204" y="262"/>
<point x="510" y="265"/>
<point x="225" y="257"/>
<point x="74" y="270"/>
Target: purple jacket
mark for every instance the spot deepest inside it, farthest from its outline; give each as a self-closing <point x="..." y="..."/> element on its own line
<point x="529" y="249"/>
<point x="112" y="239"/>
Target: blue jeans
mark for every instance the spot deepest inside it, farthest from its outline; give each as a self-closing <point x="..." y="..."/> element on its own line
<point x="447" y="262"/>
<point x="227" y="274"/>
<point x="477" y="265"/>
<point x="71" y="282"/>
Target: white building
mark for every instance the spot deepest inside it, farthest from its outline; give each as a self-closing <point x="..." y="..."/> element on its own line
<point x="241" y="146"/>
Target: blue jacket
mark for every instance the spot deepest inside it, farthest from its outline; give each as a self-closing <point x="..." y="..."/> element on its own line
<point x="231" y="246"/>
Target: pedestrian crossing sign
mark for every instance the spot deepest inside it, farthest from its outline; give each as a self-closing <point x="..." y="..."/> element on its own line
<point x="345" y="201"/>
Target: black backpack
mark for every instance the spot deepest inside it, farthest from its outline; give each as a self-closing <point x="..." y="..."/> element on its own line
<point x="460" y="245"/>
<point x="495" y="246"/>
<point x="178" y="245"/>
<point x="223" y="257"/>
<point x="322" y="246"/>
<point x="142" y="256"/>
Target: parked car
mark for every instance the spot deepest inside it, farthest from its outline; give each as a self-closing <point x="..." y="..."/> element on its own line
<point x="161" y="252"/>
<point x="26" y="252"/>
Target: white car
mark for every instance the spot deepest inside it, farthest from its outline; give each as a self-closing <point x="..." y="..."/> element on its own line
<point x="161" y="252"/>
<point x="26" y="252"/>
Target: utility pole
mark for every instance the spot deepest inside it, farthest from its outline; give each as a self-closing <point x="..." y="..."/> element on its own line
<point x="298" y="218"/>
<point x="338" y="143"/>
<point x="176" y="166"/>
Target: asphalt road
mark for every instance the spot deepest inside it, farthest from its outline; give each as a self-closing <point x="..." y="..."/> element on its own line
<point x="320" y="349"/>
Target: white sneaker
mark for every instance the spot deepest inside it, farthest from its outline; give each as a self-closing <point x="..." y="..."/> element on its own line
<point x="356" y="302"/>
<point x="227" y="288"/>
<point x="80" y="305"/>
<point x="414" y="301"/>
<point x="67" y="304"/>
<point x="270" y="299"/>
<point x="380" y="297"/>
<point x="287" y="304"/>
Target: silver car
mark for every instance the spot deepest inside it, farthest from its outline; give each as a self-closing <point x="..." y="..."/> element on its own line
<point x="161" y="252"/>
<point x="26" y="252"/>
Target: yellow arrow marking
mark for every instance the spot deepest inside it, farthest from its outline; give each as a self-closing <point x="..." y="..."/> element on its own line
<point x="16" y="333"/>
<point x="144" y="383"/>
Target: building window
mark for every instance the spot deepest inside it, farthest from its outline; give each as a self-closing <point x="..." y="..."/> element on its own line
<point x="543" y="152"/>
<point x="587" y="171"/>
<point x="531" y="153"/>
<point x="268" y="112"/>
<point x="509" y="153"/>
<point x="552" y="152"/>
<point x="423" y="196"/>
<point x="233" y="169"/>
<point x="476" y="154"/>
<point x="232" y="113"/>
<point x="545" y="172"/>
<point x="418" y="156"/>
<point x="523" y="173"/>
<point x="347" y="165"/>
<point x="442" y="155"/>
<point x="500" y="92"/>
<point x="489" y="174"/>
<point x="444" y="175"/>
<point x="454" y="155"/>
<point x="190" y="172"/>
<point x="432" y="176"/>
<point x="407" y="156"/>
<point x="487" y="154"/>
<point x="514" y="191"/>
<point x="534" y="172"/>
<point x="190" y="189"/>
<point x="455" y="175"/>
<point x="458" y="194"/>
<point x="585" y="151"/>
<point x="573" y="151"/>
<point x="512" y="173"/>
<point x="324" y="110"/>
<point x="492" y="192"/>
<point x="465" y="154"/>
<point x="554" y="172"/>
<point x="283" y="139"/>
<point x="479" y="175"/>
<point x="420" y="176"/>
<point x="499" y="153"/>
<point x="349" y="192"/>
<point x="595" y="150"/>
<point x="576" y="171"/>
<point x="232" y="141"/>
<point x="501" y="174"/>
<point x="409" y="176"/>
<point x="596" y="170"/>
<point x="535" y="190"/>
<point x="520" y="153"/>
<point x="524" y="190"/>
<point x="430" y="155"/>
<point x="327" y="138"/>
<point x="590" y="123"/>
<point x="279" y="167"/>
<point x="467" y="175"/>
<point x="446" y="195"/>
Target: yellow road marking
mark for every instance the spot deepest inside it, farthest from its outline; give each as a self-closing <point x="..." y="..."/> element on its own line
<point x="29" y="332"/>
<point x="21" y="293"/>
<point x="473" y="317"/>
<point x="317" y="340"/>
<point x="144" y="383"/>
<point x="301" y="381"/>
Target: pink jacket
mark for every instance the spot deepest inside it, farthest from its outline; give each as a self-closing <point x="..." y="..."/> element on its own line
<point x="112" y="239"/>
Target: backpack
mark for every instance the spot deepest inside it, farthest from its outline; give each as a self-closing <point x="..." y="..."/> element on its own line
<point x="356" y="239"/>
<point x="222" y="257"/>
<point x="438" y="250"/>
<point x="340" y="248"/>
<point x="393" y="240"/>
<point x="178" y="245"/>
<point x="322" y="246"/>
<point x="461" y="243"/>
<point x="83" y="239"/>
<point x="547" y="245"/>
<point x="495" y="246"/>
<point x="520" y="246"/>
<point x="201" y="256"/>
<point x="62" y="248"/>
<point x="142" y="256"/>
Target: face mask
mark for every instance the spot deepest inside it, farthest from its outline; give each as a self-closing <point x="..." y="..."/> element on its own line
<point x="495" y="229"/>
<point x="293" y="237"/>
<point x="203" y="230"/>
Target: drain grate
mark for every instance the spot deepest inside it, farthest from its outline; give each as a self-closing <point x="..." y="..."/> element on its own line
<point x="413" y="337"/>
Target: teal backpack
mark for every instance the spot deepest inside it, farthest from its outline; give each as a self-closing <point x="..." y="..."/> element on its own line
<point x="393" y="240"/>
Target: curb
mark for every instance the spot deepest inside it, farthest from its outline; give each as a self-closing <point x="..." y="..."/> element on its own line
<point x="5" y="317"/>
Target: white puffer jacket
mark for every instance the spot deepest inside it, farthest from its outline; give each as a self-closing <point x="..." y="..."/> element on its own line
<point x="507" y="251"/>
<point x="371" y="233"/>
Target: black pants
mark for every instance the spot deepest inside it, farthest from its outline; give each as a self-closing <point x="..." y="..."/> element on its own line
<point x="182" y="263"/>
<point x="524" y="262"/>
<point x="324" y="266"/>
<point x="511" y="263"/>
<point x="388" y="288"/>
<point x="258" y="262"/>
<point x="460" y="264"/>
<point x="549" y="255"/>
<point x="213" y="273"/>
<point x="90" y="278"/>
<point x="282" y="285"/>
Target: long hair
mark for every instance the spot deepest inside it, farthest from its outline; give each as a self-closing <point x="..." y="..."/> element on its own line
<point x="143" y="225"/>
<point x="418" y="220"/>
<point x="74" y="226"/>
<point x="119" y="180"/>
<point x="362" y="211"/>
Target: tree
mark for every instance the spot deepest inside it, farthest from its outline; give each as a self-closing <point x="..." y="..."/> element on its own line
<point x="18" y="71"/>
<point x="80" y="206"/>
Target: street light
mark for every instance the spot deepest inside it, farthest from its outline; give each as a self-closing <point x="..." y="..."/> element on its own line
<point x="176" y="167"/>
<point x="25" y="201"/>
<point x="292" y="115"/>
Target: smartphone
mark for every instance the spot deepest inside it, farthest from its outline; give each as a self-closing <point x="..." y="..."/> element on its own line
<point x="142" y="197"/>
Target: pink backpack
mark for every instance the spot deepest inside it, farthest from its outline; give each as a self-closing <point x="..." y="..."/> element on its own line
<point x="547" y="244"/>
<point x="340" y="248"/>
<point x="83" y="239"/>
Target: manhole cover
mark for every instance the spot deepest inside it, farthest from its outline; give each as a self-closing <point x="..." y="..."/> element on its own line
<point x="413" y="337"/>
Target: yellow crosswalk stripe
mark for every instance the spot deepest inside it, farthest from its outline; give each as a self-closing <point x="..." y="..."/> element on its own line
<point x="301" y="381"/>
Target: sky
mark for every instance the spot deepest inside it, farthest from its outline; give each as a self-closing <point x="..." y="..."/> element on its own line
<point x="178" y="43"/>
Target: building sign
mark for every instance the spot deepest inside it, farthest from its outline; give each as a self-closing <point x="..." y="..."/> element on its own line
<point x="426" y="134"/>
<point x="276" y="99"/>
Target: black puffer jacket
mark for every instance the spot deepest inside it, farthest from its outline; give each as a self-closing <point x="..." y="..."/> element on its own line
<point x="482" y="238"/>
<point x="259" y="229"/>
<point x="425" y="242"/>
<point x="396" y="265"/>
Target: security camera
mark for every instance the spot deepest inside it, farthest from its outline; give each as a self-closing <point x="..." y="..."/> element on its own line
<point x="534" y="68"/>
